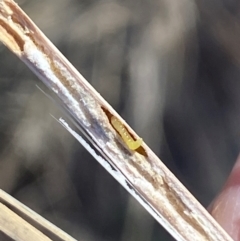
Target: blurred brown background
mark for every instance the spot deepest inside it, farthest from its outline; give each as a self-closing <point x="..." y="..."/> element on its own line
<point x="170" y="68"/>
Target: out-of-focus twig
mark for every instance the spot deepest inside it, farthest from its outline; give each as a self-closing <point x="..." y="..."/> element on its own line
<point x="162" y="194"/>
<point x="15" y="219"/>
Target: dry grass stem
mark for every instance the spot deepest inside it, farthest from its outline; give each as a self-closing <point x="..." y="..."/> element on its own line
<point x="16" y="218"/>
<point x="166" y="198"/>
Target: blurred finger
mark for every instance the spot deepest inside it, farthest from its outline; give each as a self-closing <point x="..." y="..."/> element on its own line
<point x="226" y="207"/>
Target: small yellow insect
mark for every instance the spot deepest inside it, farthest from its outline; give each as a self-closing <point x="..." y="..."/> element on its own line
<point x="127" y="138"/>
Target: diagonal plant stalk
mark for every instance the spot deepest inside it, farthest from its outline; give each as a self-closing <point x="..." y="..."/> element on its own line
<point x="139" y="171"/>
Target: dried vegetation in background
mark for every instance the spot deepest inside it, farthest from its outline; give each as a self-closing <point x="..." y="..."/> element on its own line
<point x="170" y="68"/>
